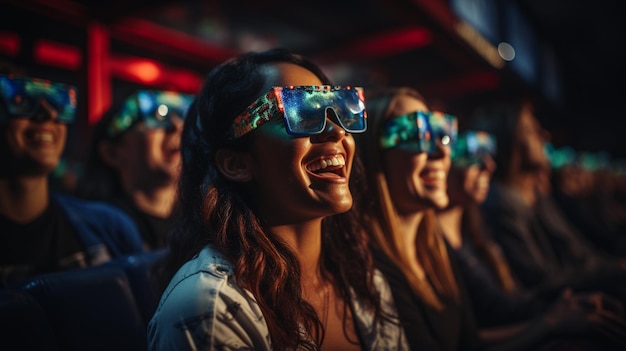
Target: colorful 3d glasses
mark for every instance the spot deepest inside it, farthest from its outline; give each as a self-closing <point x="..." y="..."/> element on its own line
<point x="152" y="107"/>
<point x="303" y="109"/>
<point x="22" y="97"/>
<point x="419" y="131"/>
<point x="472" y="146"/>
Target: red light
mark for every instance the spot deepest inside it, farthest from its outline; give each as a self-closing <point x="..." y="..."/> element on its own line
<point x="136" y="69"/>
<point x="9" y="43"/>
<point x="57" y="54"/>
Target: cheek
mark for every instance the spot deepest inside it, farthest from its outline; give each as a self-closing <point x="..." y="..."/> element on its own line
<point x="62" y="135"/>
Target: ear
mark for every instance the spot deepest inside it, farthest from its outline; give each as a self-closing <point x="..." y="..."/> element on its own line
<point x="109" y="153"/>
<point x="234" y="165"/>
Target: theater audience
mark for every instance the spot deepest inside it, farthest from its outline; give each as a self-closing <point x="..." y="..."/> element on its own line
<point x="44" y="231"/>
<point x="407" y="153"/>
<point x="544" y="250"/>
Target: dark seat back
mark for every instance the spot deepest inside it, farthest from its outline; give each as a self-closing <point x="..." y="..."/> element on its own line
<point x="23" y="323"/>
<point x="138" y="268"/>
<point x="91" y="309"/>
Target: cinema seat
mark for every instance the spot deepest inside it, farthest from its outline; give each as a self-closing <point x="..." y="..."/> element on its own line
<point x="138" y="269"/>
<point x="23" y="323"/>
<point x="91" y="309"/>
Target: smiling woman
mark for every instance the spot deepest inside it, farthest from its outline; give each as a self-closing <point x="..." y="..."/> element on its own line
<point x="269" y="254"/>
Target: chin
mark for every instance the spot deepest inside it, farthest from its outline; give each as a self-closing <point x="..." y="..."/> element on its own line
<point x="441" y="202"/>
<point x="342" y="206"/>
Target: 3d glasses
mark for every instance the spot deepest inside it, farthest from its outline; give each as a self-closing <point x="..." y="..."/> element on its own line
<point x="419" y="131"/>
<point x="472" y="146"/>
<point x="22" y="97"/>
<point x="153" y="108"/>
<point x="303" y="109"/>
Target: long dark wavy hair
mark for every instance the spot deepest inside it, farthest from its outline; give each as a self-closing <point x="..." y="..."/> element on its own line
<point x="217" y="211"/>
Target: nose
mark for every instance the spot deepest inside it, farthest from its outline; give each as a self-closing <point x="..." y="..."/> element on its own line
<point x="332" y="130"/>
<point x="440" y="151"/>
<point x="45" y="112"/>
<point x="488" y="163"/>
<point x="176" y="124"/>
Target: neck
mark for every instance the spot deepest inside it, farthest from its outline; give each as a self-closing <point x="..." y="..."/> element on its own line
<point x="305" y="239"/>
<point x="450" y="223"/>
<point x="22" y="199"/>
<point x="158" y="202"/>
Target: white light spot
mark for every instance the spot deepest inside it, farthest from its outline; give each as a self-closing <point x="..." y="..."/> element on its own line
<point x="506" y="51"/>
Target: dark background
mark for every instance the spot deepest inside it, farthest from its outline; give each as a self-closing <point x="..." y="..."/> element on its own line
<point x="570" y="54"/>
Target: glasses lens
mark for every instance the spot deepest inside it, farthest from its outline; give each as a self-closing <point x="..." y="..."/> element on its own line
<point x="22" y="97"/>
<point x="349" y="106"/>
<point x="472" y="146"/>
<point x="154" y="108"/>
<point x="419" y="131"/>
<point x="443" y="128"/>
<point x="159" y="107"/>
<point x="305" y="108"/>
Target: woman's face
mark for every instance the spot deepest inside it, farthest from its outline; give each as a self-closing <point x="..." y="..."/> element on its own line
<point x="471" y="184"/>
<point x="300" y="178"/>
<point x="417" y="181"/>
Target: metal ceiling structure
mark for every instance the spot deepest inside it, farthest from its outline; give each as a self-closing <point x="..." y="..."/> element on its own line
<point x="109" y="48"/>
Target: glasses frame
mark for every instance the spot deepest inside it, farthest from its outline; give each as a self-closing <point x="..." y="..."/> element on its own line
<point x="62" y="97"/>
<point x="276" y="103"/>
<point x="143" y="106"/>
<point x="419" y="131"/>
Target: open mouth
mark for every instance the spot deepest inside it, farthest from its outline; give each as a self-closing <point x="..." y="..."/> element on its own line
<point x="433" y="177"/>
<point x="42" y="136"/>
<point x="328" y="166"/>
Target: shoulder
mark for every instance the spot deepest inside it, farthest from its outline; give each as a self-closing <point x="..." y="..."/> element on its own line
<point x="97" y="208"/>
<point x="203" y="305"/>
<point x="98" y="223"/>
<point x="98" y="211"/>
<point x="380" y="333"/>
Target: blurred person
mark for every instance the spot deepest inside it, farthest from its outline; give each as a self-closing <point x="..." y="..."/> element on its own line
<point x="134" y="160"/>
<point x="44" y="231"/>
<point x="586" y="193"/>
<point x="406" y="154"/>
<point x="544" y="250"/>
<point x="269" y="253"/>
<point x="496" y="296"/>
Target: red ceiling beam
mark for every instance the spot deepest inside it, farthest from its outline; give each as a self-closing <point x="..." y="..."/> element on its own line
<point x="57" y="54"/>
<point x="381" y="45"/>
<point x="157" y="38"/>
<point x="10" y="43"/>
<point x="474" y="82"/>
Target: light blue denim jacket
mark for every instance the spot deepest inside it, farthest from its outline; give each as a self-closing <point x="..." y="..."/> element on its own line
<point x="204" y="309"/>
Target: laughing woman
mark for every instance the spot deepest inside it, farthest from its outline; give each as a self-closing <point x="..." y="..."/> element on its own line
<point x="268" y="253"/>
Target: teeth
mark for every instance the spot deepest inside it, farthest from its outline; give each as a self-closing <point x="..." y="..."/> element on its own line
<point x="336" y="160"/>
<point x="47" y="137"/>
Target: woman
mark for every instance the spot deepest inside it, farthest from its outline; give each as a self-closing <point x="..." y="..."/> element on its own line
<point x="268" y="253"/>
<point x="407" y="180"/>
<point x="407" y="157"/>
